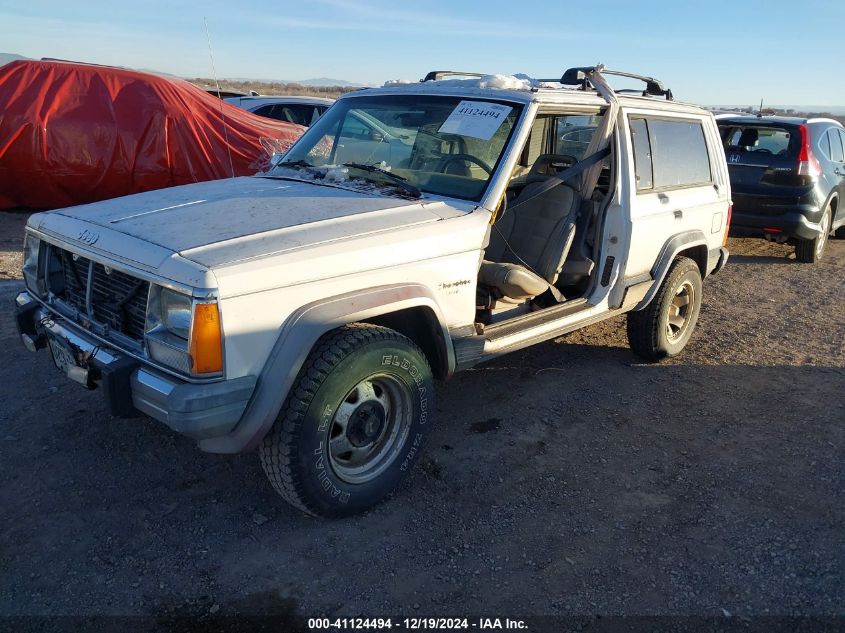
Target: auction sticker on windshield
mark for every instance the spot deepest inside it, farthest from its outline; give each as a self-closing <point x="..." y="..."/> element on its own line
<point x="478" y="119"/>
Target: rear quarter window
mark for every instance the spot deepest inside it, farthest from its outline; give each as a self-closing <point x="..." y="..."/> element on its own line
<point x="837" y="153"/>
<point x="669" y="153"/>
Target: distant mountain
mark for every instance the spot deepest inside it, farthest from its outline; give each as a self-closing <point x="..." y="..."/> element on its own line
<point x="5" y="58"/>
<point x="320" y="81"/>
<point x="326" y="81"/>
<point x="160" y="73"/>
<point x="837" y="110"/>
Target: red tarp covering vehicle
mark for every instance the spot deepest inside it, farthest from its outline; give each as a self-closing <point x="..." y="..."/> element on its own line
<point x="72" y="133"/>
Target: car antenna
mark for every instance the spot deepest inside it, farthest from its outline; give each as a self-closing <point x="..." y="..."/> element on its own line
<point x="760" y="111"/>
<point x="219" y="98"/>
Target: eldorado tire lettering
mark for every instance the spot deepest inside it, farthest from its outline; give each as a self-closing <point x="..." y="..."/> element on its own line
<point x="325" y="419"/>
<point x="394" y="361"/>
<point x="415" y="446"/>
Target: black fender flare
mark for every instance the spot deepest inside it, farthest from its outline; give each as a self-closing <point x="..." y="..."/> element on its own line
<point x="671" y="248"/>
<point x="296" y="338"/>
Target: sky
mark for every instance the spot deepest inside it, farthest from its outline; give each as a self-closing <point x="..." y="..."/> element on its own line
<point x="713" y="53"/>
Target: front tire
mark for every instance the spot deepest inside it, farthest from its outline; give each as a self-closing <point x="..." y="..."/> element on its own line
<point x="353" y="424"/>
<point x="811" y="251"/>
<point x="663" y="328"/>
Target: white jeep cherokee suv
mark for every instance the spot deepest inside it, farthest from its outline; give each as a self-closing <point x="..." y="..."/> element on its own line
<point x="414" y="231"/>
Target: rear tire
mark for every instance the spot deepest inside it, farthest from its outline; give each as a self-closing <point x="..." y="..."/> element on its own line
<point x="811" y="251"/>
<point x="353" y="424"/>
<point x="663" y="328"/>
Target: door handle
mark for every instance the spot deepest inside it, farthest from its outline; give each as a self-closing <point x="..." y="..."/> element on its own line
<point x="678" y="214"/>
<point x="663" y="198"/>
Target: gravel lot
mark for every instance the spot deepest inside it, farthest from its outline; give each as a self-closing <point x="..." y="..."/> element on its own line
<point x="564" y="479"/>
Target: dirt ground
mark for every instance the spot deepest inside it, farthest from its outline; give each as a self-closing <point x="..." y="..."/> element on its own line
<point x="11" y="243"/>
<point x="564" y="479"/>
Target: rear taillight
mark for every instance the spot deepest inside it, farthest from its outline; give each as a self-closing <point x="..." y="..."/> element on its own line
<point x="808" y="165"/>
<point x="728" y="224"/>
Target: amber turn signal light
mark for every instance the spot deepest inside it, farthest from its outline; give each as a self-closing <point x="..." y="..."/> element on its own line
<point x="206" y="342"/>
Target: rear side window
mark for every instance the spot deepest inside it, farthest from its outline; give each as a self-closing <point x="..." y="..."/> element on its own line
<point x="264" y="110"/>
<point x="292" y="113"/>
<point x="669" y="153"/>
<point x="299" y="114"/>
<point x="824" y="143"/>
<point x="837" y="154"/>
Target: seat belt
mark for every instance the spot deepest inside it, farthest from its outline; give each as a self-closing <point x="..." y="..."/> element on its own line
<point x="549" y="184"/>
<point x="567" y="174"/>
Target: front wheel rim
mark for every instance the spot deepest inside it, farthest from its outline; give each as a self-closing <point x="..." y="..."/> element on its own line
<point x="680" y="311"/>
<point x="369" y="428"/>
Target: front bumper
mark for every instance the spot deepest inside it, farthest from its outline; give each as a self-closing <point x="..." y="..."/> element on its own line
<point x="200" y="411"/>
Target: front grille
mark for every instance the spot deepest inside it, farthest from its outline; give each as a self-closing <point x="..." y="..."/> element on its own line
<point x="118" y="300"/>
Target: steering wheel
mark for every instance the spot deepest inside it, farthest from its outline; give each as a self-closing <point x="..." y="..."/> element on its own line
<point x="448" y="160"/>
<point x="762" y="150"/>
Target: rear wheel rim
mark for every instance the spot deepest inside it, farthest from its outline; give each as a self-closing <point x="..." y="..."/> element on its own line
<point x="823" y="236"/>
<point x="680" y="311"/>
<point x="369" y="428"/>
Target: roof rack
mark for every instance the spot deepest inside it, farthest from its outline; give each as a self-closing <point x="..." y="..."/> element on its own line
<point x="581" y="77"/>
<point x="437" y="75"/>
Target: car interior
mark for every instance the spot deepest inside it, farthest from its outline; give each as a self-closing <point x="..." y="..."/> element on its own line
<point x="451" y="164"/>
<point x="542" y="249"/>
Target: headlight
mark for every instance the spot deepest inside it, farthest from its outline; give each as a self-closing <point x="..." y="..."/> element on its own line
<point x="176" y="312"/>
<point x="184" y="332"/>
<point x="31" y="256"/>
<point x="31" y="246"/>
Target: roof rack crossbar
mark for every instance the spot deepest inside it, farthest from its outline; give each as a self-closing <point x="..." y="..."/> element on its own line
<point x="581" y="77"/>
<point x="437" y="75"/>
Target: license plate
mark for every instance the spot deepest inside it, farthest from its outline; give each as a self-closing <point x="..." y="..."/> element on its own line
<point x="63" y="355"/>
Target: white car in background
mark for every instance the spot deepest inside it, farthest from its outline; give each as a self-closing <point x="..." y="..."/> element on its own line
<point x="300" y="110"/>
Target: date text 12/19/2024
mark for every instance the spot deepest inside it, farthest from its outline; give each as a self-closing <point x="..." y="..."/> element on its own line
<point x="416" y="624"/>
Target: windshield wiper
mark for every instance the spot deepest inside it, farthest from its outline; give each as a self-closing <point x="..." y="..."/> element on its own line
<point x="296" y="163"/>
<point x="400" y="181"/>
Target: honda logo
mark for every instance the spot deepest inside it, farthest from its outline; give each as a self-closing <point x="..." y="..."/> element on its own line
<point x="733" y="158"/>
<point x="88" y="237"/>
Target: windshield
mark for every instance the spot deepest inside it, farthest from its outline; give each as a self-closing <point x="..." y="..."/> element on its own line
<point x="437" y="144"/>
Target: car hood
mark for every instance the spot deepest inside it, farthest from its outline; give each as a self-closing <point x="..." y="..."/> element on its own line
<point x="218" y="222"/>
